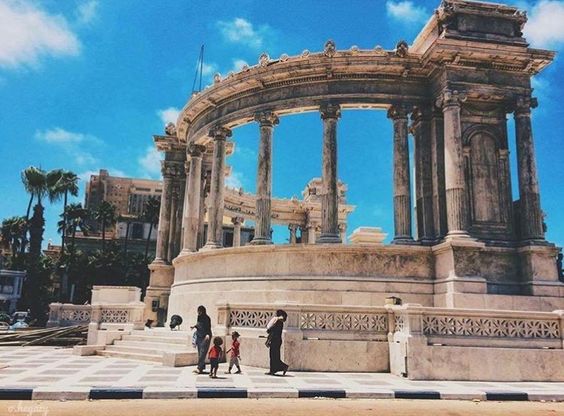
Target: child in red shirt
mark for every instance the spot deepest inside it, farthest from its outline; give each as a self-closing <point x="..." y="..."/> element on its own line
<point x="235" y="356"/>
<point x="215" y="355"/>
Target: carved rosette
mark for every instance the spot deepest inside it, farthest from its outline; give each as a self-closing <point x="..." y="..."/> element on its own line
<point x="398" y="111"/>
<point x="266" y="118"/>
<point x="330" y="110"/>
<point x="219" y="133"/>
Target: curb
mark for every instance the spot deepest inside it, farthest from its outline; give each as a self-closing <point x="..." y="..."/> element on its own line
<point x="86" y="393"/>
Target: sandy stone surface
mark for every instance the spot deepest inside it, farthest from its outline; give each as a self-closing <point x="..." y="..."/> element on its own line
<point x="274" y="407"/>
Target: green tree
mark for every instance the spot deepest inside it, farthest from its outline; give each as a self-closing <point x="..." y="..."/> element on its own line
<point x="13" y="234"/>
<point x="73" y="219"/>
<point x="65" y="185"/>
<point x="151" y="211"/>
<point x="34" y="181"/>
<point x="106" y="216"/>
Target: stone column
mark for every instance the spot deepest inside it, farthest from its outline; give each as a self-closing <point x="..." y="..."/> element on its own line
<point x="176" y="210"/>
<point x="402" y="187"/>
<point x="204" y="192"/>
<point x="217" y="187"/>
<point x="161" y="253"/>
<point x="293" y="229"/>
<point x="423" y="174"/>
<point x="455" y="183"/>
<point x="311" y="234"/>
<point x="266" y="120"/>
<point x="237" y="221"/>
<point x="343" y="232"/>
<point x="438" y="172"/>
<point x="330" y="198"/>
<point x="192" y="198"/>
<point x="529" y="197"/>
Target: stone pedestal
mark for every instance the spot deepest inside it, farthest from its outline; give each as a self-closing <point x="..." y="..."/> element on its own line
<point x="158" y="291"/>
<point x="368" y="236"/>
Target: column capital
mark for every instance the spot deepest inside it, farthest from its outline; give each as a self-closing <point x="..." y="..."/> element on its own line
<point x="522" y="105"/>
<point x="451" y="98"/>
<point x="398" y="111"/>
<point x="421" y="112"/>
<point x="195" y="150"/>
<point x="266" y="118"/>
<point x="172" y="169"/>
<point x="293" y="227"/>
<point x="237" y="220"/>
<point x="219" y="132"/>
<point x="330" y="110"/>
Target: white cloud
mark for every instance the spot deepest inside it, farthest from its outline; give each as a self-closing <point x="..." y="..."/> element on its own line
<point x="169" y="115"/>
<point x="406" y="11"/>
<point x="545" y="27"/>
<point x="235" y="180"/>
<point x="243" y="32"/>
<point x="209" y="68"/>
<point x="72" y="143"/>
<point x="58" y="135"/>
<point x="87" y="11"/>
<point x="150" y="162"/>
<point x="29" y="33"/>
<point x="238" y="64"/>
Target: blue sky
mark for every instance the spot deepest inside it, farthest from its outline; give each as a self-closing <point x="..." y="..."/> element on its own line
<point x="85" y="84"/>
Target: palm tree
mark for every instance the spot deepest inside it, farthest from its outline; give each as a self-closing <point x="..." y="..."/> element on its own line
<point x="150" y="214"/>
<point x="34" y="181"/>
<point x="106" y="217"/>
<point x="13" y="233"/>
<point x="74" y="218"/>
<point x="66" y="183"/>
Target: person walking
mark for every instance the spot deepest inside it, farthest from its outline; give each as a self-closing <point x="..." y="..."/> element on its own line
<point x="235" y="354"/>
<point x="203" y="338"/>
<point x="274" y="342"/>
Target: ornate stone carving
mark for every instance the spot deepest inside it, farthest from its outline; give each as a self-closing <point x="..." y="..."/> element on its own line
<point x="266" y="118"/>
<point x="219" y="132"/>
<point x="170" y="129"/>
<point x="329" y="48"/>
<point x="217" y="78"/>
<point x="305" y="53"/>
<point x="237" y="220"/>
<point x="75" y="315"/>
<point x="355" y="49"/>
<point x="284" y="57"/>
<point x="490" y="327"/>
<point x="399" y="323"/>
<point x="402" y="49"/>
<point x="249" y="319"/>
<point x="451" y="98"/>
<point x="264" y="59"/>
<point x="330" y="110"/>
<point x="524" y="103"/>
<point x="114" y="316"/>
<point x="342" y="321"/>
<point x="172" y="169"/>
<point x="195" y="150"/>
<point x="397" y="111"/>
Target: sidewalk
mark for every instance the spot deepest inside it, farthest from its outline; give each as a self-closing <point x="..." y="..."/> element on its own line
<point x="50" y="373"/>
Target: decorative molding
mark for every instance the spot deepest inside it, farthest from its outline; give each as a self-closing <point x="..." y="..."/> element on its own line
<point x="266" y="118"/>
<point x="342" y="321"/>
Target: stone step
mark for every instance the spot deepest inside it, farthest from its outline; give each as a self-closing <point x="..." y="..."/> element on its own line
<point x="159" y="332"/>
<point x="152" y="338"/>
<point x="165" y="346"/>
<point x="134" y="350"/>
<point x="131" y="356"/>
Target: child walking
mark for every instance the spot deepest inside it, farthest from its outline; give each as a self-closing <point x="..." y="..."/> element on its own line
<point x="235" y="356"/>
<point x="215" y="355"/>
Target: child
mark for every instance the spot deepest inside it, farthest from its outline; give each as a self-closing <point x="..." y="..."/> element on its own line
<point x="215" y="355"/>
<point x="234" y="357"/>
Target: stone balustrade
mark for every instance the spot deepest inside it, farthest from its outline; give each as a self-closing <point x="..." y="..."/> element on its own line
<point x="67" y="314"/>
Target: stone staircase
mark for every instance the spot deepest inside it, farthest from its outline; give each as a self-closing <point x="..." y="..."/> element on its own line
<point x="171" y="348"/>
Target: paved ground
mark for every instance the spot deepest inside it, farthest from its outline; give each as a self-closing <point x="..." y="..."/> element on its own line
<point x="275" y="407"/>
<point x="54" y="373"/>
